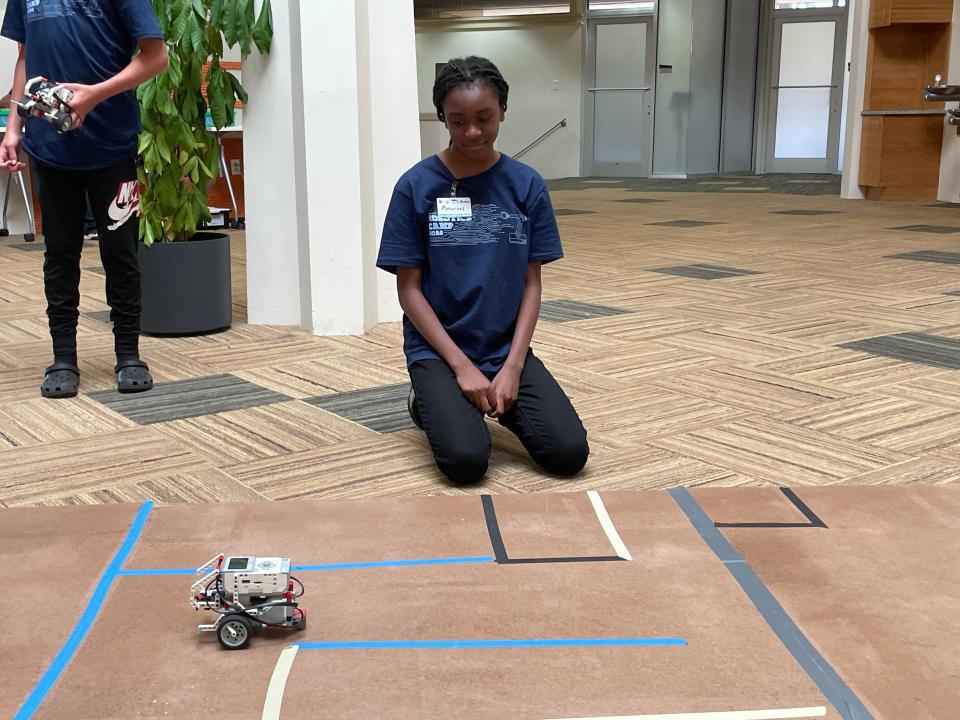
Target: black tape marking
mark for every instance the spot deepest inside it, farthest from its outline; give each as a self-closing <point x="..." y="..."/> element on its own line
<point x="500" y="551"/>
<point x="493" y="528"/>
<point x="813" y="520"/>
<point x="847" y="704"/>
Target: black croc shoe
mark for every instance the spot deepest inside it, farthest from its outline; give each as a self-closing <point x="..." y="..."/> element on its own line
<point x="133" y="376"/>
<point x="61" y="380"/>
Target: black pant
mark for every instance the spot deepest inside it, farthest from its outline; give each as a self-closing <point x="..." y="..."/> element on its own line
<point x="63" y="201"/>
<point x="542" y="418"/>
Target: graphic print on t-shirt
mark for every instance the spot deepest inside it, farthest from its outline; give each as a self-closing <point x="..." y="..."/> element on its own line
<point x="46" y="9"/>
<point x="489" y="224"/>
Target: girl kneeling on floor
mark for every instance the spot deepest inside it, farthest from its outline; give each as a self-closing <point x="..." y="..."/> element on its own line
<point x="466" y="233"/>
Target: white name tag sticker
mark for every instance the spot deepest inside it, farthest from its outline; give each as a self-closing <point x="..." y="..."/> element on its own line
<point x="457" y="208"/>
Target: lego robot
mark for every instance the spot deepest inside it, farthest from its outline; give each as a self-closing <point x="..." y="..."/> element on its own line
<point x="47" y="101"/>
<point x="247" y="592"/>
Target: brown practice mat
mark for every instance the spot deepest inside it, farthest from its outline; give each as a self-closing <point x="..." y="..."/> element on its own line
<point x="52" y="562"/>
<point x="877" y="592"/>
<point x="872" y="591"/>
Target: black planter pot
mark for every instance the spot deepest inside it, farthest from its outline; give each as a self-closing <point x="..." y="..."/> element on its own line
<point x="185" y="286"/>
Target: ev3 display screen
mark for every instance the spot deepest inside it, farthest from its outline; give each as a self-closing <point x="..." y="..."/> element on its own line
<point x="238" y="563"/>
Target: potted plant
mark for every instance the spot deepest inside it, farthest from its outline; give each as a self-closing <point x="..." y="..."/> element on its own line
<point x="185" y="273"/>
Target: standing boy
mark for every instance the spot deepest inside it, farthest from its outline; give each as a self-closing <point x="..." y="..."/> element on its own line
<point x="89" y="47"/>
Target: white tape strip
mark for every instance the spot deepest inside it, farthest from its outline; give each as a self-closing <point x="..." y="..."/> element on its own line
<point x="607" y="525"/>
<point x="271" y="706"/>
<point x="788" y="714"/>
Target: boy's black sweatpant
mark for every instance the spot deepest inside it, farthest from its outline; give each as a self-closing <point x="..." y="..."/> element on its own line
<point x="113" y="199"/>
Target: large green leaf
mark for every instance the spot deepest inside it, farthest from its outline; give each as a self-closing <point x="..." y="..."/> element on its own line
<point x="206" y="171"/>
<point x="216" y="14"/>
<point x="163" y="148"/>
<point x="180" y="23"/>
<point x="168" y="191"/>
<point x="174" y="71"/>
<point x="151" y="160"/>
<point x="263" y="29"/>
<point x="190" y="217"/>
<point x="214" y="41"/>
<point x="238" y="90"/>
<point x="186" y="137"/>
<point x="168" y="106"/>
<point x="188" y="110"/>
<point x="149" y="95"/>
<point x="196" y="34"/>
<point x="146" y="232"/>
<point x="245" y="27"/>
<point x="215" y="97"/>
<point x="231" y="11"/>
<point x="196" y="73"/>
<point x="161" y="8"/>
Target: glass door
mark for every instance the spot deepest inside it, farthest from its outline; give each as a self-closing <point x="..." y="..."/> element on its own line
<point x="806" y="96"/>
<point x="618" y="103"/>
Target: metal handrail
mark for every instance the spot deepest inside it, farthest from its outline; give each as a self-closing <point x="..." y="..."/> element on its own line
<point x="562" y="123"/>
<point x="801" y="87"/>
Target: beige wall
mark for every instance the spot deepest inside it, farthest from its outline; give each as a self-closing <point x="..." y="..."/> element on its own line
<point x="531" y="59"/>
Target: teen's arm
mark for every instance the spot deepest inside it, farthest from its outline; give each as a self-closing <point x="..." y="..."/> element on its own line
<point x="503" y="390"/>
<point x="472" y="382"/>
<point x="149" y="62"/>
<point x="9" y="157"/>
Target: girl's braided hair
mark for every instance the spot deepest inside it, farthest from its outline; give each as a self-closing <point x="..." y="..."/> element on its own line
<point x="470" y="70"/>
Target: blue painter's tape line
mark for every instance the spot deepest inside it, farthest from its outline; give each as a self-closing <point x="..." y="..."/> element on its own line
<point x="458" y="644"/>
<point x="82" y="627"/>
<point x="328" y="566"/>
<point x="394" y="563"/>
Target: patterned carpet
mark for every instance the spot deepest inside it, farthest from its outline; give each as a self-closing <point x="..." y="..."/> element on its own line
<point x="709" y="332"/>
<point x="828" y="185"/>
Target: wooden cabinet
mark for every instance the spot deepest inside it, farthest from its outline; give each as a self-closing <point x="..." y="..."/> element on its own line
<point x="900" y="156"/>
<point x="902" y="142"/>
<point x="901" y="61"/>
<point x="896" y="12"/>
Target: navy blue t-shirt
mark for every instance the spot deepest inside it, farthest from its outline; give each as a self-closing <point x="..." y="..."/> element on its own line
<point x="474" y="267"/>
<point x="82" y="41"/>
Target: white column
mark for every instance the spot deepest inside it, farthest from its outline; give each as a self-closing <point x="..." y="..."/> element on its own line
<point x="395" y="130"/>
<point x="334" y="134"/>
<point x="859" y="17"/>
<point x="331" y="119"/>
<point x="396" y="120"/>
<point x="274" y="218"/>
<point x="950" y="159"/>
